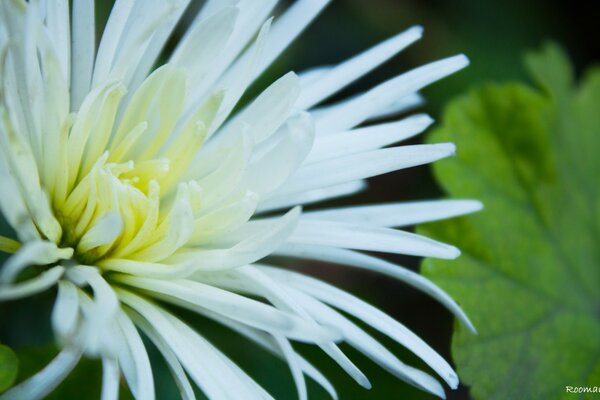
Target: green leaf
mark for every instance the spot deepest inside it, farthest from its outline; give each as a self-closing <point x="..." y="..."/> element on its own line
<point x="9" y="366"/>
<point x="529" y="276"/>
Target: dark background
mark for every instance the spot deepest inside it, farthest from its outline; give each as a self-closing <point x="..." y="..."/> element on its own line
<point x="494" y="34"/>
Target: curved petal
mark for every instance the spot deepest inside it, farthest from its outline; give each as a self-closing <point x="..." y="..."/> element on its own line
<point x="45" y="381"/>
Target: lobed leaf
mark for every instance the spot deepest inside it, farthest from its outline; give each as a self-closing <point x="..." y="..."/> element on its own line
<point x="529" y="277"/>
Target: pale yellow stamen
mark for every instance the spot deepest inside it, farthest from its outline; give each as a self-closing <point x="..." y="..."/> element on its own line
<point x="8" y="245"/>
<point x="122" y="171"/>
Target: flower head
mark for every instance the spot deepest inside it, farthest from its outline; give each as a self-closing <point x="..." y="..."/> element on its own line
<point x="133" y="188"/>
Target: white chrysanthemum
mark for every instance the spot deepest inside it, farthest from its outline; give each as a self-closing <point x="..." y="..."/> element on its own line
<point x="133" y="188"/>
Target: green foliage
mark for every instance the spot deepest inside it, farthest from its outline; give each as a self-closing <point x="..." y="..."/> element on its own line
<point x="529" y="276"/>
<point x="9" y="366"/>
<point x="82" y="383"/>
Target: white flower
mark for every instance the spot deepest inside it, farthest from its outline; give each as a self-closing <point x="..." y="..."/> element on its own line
<point x="133" y="188"/>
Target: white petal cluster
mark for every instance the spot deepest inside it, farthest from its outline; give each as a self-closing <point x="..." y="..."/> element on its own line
<point x="133" y="187"/>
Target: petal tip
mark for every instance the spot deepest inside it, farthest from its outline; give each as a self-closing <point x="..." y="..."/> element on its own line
<point x="453" y="253"/>
<point x="461" y="60"/>
<point x="417" y="29"/>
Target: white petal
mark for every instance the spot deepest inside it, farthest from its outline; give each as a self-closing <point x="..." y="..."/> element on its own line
<point x="220" y="171"/>
<point x="370" y="315"/>
<point x="397" y="214"/>
<point x="83" y="43"/>
<point x="360" y="340"/>
<point x="234" y="79"/>
<point x="296" y="369"/>
<point x="198" y="297"/>
<point x="65" y="312"/>
<point x="124" y="356"/>
<point x="358" y="260"/>
<point x="311" y="75"/>
<point x="43" y="281"/>
<point x="104" y="232"/>
<point x="203" y="42"/>
<point x="92" y="129"/>
<point x="404" y="104"/>
<point x="287" y="27"/>
<point x="100" y="313"/>
<point x="103" y="293"/>
<point x="31" y="254"/>
<point x="401" y="105"/>
<point x="252" y="281"/>
<point x="21" y="70"/>
<point x="312" y="196"/>
<point x="233" y="379"/>
<point x="183" y="384"/>
<point x="224" y="218"/>
<point x="33" y="73"/>
<point x="128" y="33"/>
<point x="290" y="147"/>
<point x="363" y="165"/>
<point x="20" y="160"/>
<point x="206" y="365"/>
<point x="157" y="43"/>
<point x="369" y="138"/>
<point x="348" y="366"/>
<point x="358" y="110"/>
<point x="113" y="32"/>
<point x="111" y="376"/>
<point x="200" y="371"/>
<point x="211" y="7"/>
<point x="57" y="21"/>
<point x="144" y="381"/>
<point x="267" y="342"/>
<point x="14" y="207"/>
<point x="253" y="387"/>
<point x="248" y="247"/>
<point x="359" y="237"/>
<point x="345" y="73"/>
<point x="189" y="356"/>
<point x="266" y="113"/>
<point x="159" y="101"/>
<point x="45" y="381"/>
<point x="53" y="171"/>
<point x="252" y="15"/>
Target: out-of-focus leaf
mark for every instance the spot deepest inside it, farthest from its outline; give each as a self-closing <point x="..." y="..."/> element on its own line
<point x="530" y="274"/>
<point x="9" y="366"/>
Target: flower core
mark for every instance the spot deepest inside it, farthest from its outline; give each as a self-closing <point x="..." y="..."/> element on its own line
<point x="120" y="194"/>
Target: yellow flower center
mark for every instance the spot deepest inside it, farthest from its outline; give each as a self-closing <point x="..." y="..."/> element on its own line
<point x="120" y="194"/>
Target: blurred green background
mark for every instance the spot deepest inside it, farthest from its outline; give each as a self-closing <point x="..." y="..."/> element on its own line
<point x="494" y="34"/>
